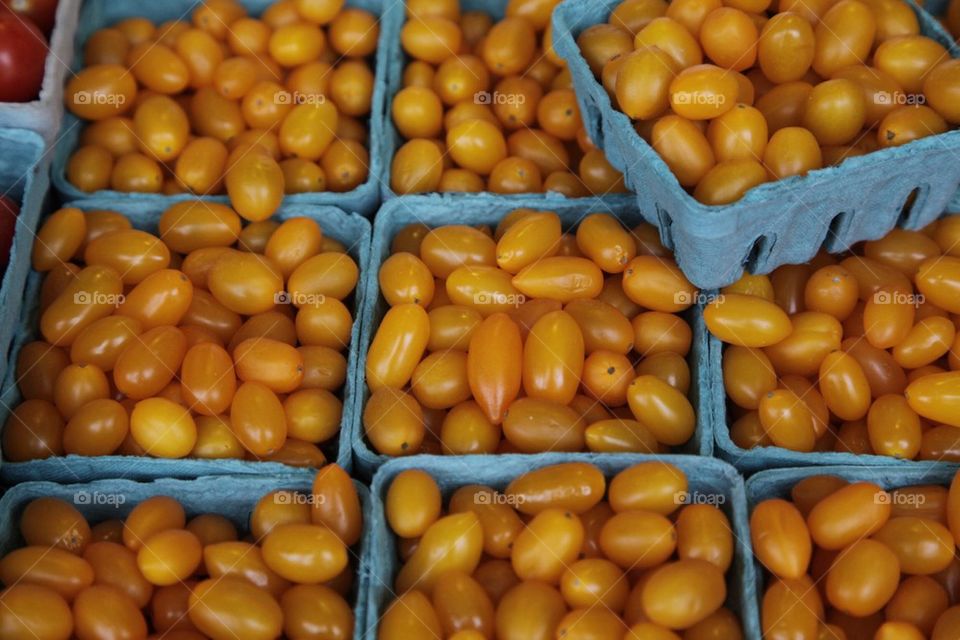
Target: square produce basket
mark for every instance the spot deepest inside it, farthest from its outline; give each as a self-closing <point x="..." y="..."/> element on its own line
<point x="233" y="497"/>
<point x="398" y="60"/>
<point x="705" y="475"/>
<point x="776" y="483"/>
<point x="438" y="210"/>
<point x="350" y="229"/>
<point x="776" y="223"/>
<point x="97" y="14"/>
<point x="45" y="114"/>
<point x="25" y="180"/>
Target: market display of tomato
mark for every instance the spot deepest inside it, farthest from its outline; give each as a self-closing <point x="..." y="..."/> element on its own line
<point x="487" y="105"/>
<point x="224" y="102"/>
<point x="851" y="353"/>
<point x="162" y="573"/>
<point x="527" y="338"/>
<point x="559" y="553"/>
<point x="847" y="559"/>
<point x="23" y="53"/>
<point x="736" y="94"/>
<point x="205" y="339"/>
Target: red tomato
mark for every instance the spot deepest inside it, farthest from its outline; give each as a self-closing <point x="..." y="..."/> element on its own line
<point x="23" y="50"/>
<point x="41" y="12"/>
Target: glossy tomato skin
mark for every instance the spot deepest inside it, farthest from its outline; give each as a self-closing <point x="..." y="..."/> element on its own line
<point x="22" y="55"/>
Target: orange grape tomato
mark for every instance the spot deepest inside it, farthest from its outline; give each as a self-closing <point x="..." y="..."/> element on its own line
<point x="682" y="593"/>
<point x="747" y="376"/>
<point x="785" y="49"/>
<point x="553" y="358"/>
<point x="547" y="545"/>
<point x="562" y="278"/>
<point x="257" y="418"/>
<point x="921" y="545"/>
<point x="55" y="523"/>
<point x="849" y="513"/>
<point x="791" y="607"/>
<point x="336" y="504"/>
<point x="393" y="421"/>
<point x="863" y="578"/>
<point x="683" y="147"/>
<point x="638" y="539"/>
<point x="648" y="486"/>
<point x="533" y="425"/>
<point x="746" y="321"/>
<point x="93" y="294"/>
<point x="229" y="605"/>
<point x="657" y="284"/>
<point x="665" y="410"/>
<point x="495" y="364"/>
<point x="574" y="486"/>
<point x="936" y="397"/>
<point x="787" y="420"/>
<point x="704" y="532"/>
<point x="452" y="543"/>
<point x="780" y="538"/>
<point x="397" y="346"/>
<point x="844" y="386"/>
<point x="413" y="503"/>
<point x="304" y="553"/>
<point x="148" y="364"/>
<point x="31" y="610"/>
<point x="894" y="428"/>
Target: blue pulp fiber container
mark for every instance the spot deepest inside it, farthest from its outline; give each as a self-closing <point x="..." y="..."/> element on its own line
<point x="776" y="483"/>
<point x="760" y="458"/>
<point x="398" y="60"/>
<point x="97" y="14"/>
<point x="45" y="114"/>
<point x="350" y="229"/>
<point x="438" y="210"/>
<point x="776" y="223"/>
<point x="705" y="475"/>
<point x="233" y="497"/>
<point x="24" y="178"/>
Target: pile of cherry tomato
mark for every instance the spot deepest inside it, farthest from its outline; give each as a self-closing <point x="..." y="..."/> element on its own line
<point x="207" y="340"/>
<point x="559" y="554"/>
<point x="735" y="94"/>
<point x="159" y="574"/>
<point x="490" y="107"/>
<point x="849" y="560"/>
<point x="527" y="339"/>
<point x="225" y="102"/>
<point x="851" y="353"/>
